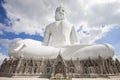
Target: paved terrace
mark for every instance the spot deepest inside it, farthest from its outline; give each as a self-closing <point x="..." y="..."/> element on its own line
<point x="5" y="78"/>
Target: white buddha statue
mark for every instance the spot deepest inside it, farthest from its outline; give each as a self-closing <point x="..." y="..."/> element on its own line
<point x="60" y="37"/>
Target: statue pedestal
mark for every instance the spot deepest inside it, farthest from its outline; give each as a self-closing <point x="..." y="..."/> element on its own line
<point x="91" y="68"/>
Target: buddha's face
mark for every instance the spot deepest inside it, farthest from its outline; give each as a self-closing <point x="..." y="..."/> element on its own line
<point x="60" y="14"/>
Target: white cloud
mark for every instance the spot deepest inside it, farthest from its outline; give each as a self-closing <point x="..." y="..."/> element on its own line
<point x="116" y="57"/>
<point x="91" y="34"/>
<point x="32" y="16"/>
<point x="6" y="43"/>
<point x="1" y="28"/>
<point x="1" y="33"/>
<point x="2" y="57"/>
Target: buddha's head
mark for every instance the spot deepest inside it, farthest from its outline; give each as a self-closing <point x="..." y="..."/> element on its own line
<point x="60" y="14"/>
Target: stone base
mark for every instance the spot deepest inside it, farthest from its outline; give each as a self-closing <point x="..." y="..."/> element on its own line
<point x="49" y="68"/>
<point x="60" y="79"/>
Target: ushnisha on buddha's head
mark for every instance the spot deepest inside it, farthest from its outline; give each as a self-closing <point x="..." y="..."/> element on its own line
<point x="60" y="13"/>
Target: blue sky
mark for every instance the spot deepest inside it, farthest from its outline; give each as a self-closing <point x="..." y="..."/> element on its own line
<point x="96" y="21"/>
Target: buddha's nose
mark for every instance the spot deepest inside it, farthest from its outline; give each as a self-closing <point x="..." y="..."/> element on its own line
<point x="60" y="12"/>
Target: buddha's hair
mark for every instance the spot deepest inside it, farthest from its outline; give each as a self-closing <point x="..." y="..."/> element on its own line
<point x="60" y="7"/>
